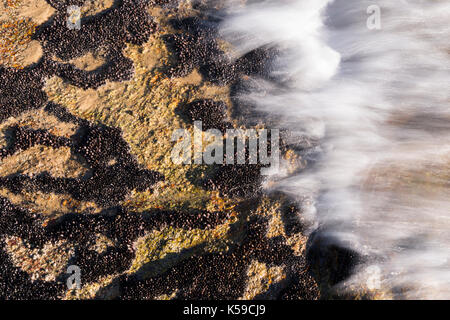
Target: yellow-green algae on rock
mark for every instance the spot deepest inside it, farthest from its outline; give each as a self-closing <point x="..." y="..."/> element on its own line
<point x="143" y="109"/>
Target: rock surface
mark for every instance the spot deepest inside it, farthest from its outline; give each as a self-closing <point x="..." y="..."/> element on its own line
<point x="86" y="176"/>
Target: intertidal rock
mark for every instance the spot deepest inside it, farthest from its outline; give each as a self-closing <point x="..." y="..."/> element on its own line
<point x="108" y="97"/>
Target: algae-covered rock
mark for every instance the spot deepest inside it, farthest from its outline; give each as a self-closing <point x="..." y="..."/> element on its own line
<point x="86" y="172"/>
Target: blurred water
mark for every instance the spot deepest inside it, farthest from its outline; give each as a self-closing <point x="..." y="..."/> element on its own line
<point x="375" y="106"/>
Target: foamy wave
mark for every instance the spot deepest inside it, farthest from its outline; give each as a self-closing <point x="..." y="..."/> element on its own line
<point x="378" y="103"/>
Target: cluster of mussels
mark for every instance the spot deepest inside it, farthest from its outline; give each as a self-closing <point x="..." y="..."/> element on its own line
<point x="115" y="172"/>
<point x="194" y="47"/>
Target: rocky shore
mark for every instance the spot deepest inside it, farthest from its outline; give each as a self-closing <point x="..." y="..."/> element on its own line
<point x="86" y="175"/>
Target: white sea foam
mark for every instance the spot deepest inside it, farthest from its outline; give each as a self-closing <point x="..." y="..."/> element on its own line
<point x="377" y="102"/>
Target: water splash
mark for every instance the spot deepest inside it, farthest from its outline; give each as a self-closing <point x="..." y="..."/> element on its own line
<point x="371" y="109"/>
